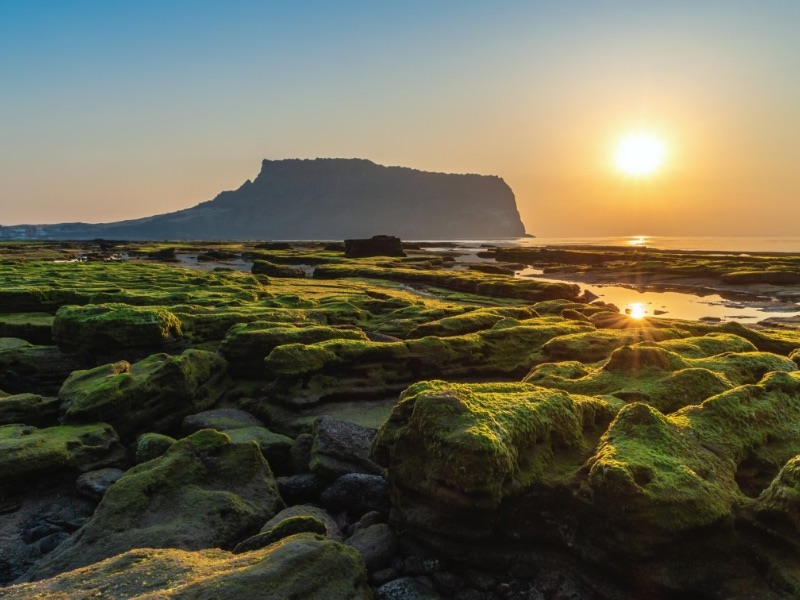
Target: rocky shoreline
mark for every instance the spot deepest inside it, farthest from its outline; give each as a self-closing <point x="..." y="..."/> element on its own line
<point x="390" y="427"/>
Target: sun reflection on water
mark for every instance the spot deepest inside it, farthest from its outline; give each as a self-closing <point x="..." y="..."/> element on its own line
<point x="636" y="310"/>
<point x="639" y="240"/>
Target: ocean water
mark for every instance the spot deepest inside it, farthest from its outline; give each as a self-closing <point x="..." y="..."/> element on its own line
<point x="729" y="244"/>
<point x="667" y="304"/>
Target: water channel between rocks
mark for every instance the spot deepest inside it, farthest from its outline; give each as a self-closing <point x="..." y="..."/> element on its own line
<point x="680" y="305"/>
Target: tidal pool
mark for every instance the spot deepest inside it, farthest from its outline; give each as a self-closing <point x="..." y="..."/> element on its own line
<point x="679" y="305"/>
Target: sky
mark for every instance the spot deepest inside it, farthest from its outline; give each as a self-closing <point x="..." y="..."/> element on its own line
<point x="124" y="109"/>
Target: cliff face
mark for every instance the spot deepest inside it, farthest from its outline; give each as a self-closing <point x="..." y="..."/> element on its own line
<point x="333" y="199"/>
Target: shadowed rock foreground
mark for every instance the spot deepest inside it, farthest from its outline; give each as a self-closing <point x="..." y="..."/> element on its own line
<point x="386" y="427"/>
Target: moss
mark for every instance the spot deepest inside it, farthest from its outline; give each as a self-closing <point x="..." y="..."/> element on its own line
<point x="115" y="325"/>
<point x="471" y="321"/>
<point x="463" y="281"/>
<point x="246" y="345"/>
<point x="336" y="368"/>
<point x="286" y="528"/>
<point x="27" y="452"/>
<point x="152" y="445"/>
<point x="650" y="479"/>
<point x="263" y="267"/>
<point x="208" y="440"/>
<point x="132" y="396"/>
<point x="30" y="409"/>
<point x="746" y="367"/>
<point x="276" y="572"/>
<point x="203" y="492"/>
<point x="33" y="327"/>
<point x="777" y="509"/>
<point x="592" y="346"/>
<point x="737" y="421"/>
<point x="475" y="444"/>
<point x="652" y="373"/>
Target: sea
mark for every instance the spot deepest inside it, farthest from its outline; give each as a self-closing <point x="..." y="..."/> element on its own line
<point x="708" y="243"/>
<point x="677" y="305"/>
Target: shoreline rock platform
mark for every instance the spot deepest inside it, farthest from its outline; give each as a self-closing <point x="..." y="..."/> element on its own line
<point x="381" y="427"/>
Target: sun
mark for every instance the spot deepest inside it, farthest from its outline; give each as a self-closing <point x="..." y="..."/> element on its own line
<point x="640" y="154"/>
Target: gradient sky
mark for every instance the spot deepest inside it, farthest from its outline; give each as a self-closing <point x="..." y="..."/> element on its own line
<point x="121" y="109"/>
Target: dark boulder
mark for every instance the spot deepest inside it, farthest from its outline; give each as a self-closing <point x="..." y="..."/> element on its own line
<point x="377" y="245"/>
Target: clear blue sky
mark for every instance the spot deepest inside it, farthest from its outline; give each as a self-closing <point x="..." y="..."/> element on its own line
<point x="121" y="109"/>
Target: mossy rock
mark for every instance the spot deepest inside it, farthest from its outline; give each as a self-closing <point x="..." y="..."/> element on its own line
<point x="471" y="321"/>
<point x="652" y="479"/>
<point x="28" y="454"/>
<point x="777" y="509"/>
<point x="795" y="356"/>
<point x="134" y="396"/>
<point x="152" y="445"/>
<point x="264" y="267"/>
<point x="304" y="566"/>
<point x="35" y="328"/>
<point x="29" y="409"/>
<point x="657" y="374"/>
<point x="204" y="492"/>
<point x="247" y="345"/>
<point x="655" y="477"/>
<point x="306" y="374"/>
<point x="287" y="527"/>
<point x="472" y="445"/>
<point x="592" y="346"/>
<point x="484" y="284"/>
<point x="105" y="327"/>
<point x="27" y="368"/>
<point x="275" y="447"/>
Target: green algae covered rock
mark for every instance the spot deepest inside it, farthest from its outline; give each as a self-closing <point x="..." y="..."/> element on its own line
<point x="650" y="479"/>
<point x="29" y="454"/>
<point x="472" y="445"/>
<point x="308" y="373"/>
<point x="264" y="267"/>
<point x="114" y="327"/>
<point x="777" y="509"/>
<point x="35" y="328"/>
<point x="275" y="447"/>
<point x="152" y="445"/>
<point x="30" y="409"/>
<point x="204" y="492"/>
<point x="132" y="396"/>
<point x="592" y="346"/>
<point x="25" y="367"/>
<point x="247" y="345"/>
<point x="304" y="566"/>
<point x="667" y="375"/>
<point x="471" y="321"/>
<point x="654" y="477"/>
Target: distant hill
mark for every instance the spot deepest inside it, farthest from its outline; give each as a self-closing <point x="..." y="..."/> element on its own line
<point x="328" y="198"/>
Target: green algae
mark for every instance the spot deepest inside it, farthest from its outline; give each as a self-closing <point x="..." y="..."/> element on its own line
<point x="307" y="373"/>
<point x="204" y="492"/>
<point x="276" y="572"/>
<point x="35" y="327"/>
<point x="667" y="375"/>
<point x="132" y="396"/>
<point x="463" y="281"/>
<point x="475" y="444"/>
<point x="470" y="321"/>
<point x="27" y="452"/>
<point x="114" y="325"/>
